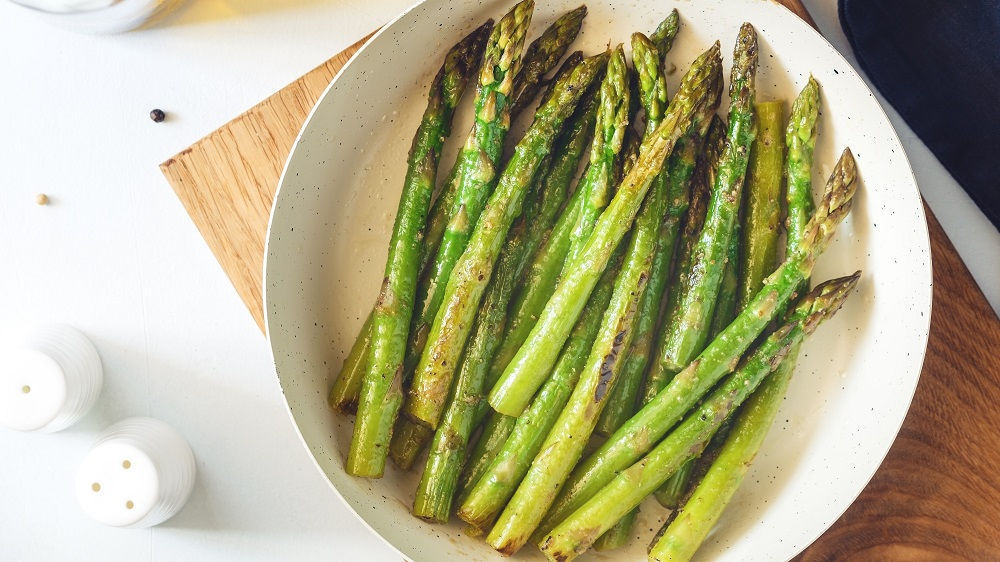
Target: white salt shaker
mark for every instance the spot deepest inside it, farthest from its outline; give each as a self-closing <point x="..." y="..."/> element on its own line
<point x="139" y="473"/>
<point x="49" y="380"/>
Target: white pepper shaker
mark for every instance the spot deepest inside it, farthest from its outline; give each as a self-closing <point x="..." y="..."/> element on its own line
<point x="139" y="473"/>
<point x="49" y="380"/>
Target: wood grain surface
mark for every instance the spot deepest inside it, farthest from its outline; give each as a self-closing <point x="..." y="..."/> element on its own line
<point x="227" y="180"/>
<point x="936" y="496"/>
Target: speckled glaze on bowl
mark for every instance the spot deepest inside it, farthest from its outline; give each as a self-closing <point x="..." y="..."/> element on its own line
<point x="333" y="214"/>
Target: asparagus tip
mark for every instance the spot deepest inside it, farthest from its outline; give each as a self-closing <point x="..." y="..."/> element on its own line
<point x="748" y="38"/>
<point x="519" y="17"/>
<point x="474" y="42"/>
<point x="571" y="62"/>
<point x="744" y="62"/>
<point x="569" y="23"/>
<point x="845" y="177"/>
<point x="826" y="299"/>
<point x="484" y="29"/>
<point x="837" y="201"/>
<point x="577" y="13"/>
<point x="802" y="118"/>
<point x="849" y="163"/>
<point x="663" y="36"/>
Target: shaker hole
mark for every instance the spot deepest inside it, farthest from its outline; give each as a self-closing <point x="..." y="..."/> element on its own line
<point x="126" y="464"/>
<point x="25" y="389"/>
<point x="129" y="504"/>
<point x="95" y="487"/>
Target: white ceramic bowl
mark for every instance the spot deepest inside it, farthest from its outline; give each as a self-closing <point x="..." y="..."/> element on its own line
<point x="334" y="211"/>
<point x="100" y="16"/>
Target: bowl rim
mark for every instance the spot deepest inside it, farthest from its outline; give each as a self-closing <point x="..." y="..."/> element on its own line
<point x="267" y="244"/>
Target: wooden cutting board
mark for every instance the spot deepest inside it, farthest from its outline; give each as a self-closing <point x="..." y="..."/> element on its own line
<point x="936" y="496"/>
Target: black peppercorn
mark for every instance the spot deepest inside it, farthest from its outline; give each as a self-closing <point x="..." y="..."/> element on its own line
<point x="157" y="115"/>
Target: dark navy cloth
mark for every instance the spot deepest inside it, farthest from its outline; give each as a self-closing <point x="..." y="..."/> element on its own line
<point x="938" y="64"/>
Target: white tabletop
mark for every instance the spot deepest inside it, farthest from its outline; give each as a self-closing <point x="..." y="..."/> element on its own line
<point x="115" y="254"/>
